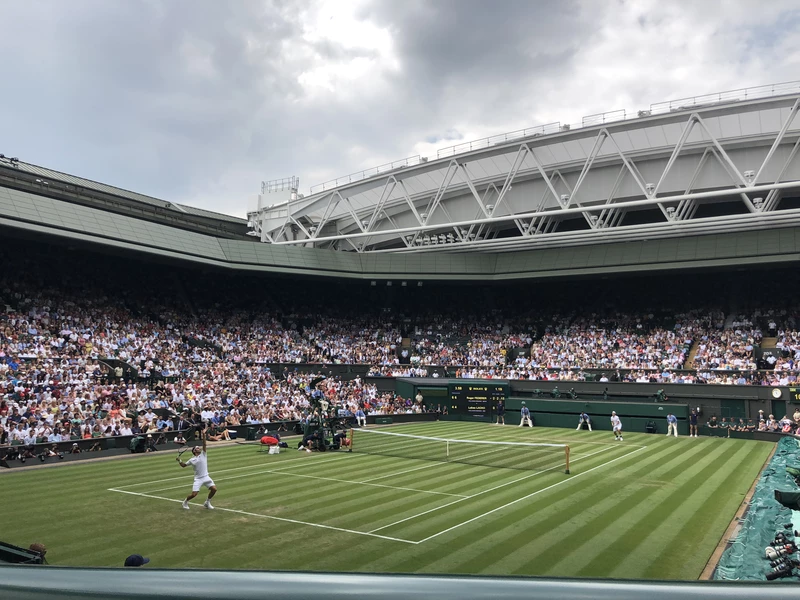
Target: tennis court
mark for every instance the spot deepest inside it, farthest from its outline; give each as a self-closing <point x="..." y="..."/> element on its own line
<point x="414" y="489"/>
<point x="645" y="507"/>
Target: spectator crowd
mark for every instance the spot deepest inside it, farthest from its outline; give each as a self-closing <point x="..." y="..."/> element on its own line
<point x="85" y="354"/>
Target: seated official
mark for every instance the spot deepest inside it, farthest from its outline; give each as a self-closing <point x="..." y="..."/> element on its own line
<point x="216" y="434"/>
<point x="212" y="433"/>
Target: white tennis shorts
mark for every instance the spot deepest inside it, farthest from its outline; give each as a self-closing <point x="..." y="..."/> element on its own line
<point x="202" y="482"/>
<point x="618" y="428"/>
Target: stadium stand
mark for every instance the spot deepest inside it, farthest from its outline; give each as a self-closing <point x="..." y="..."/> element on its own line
<point x="91" y="345"/>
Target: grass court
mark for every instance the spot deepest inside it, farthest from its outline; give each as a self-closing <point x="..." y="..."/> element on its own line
<point x="649" y="507"/>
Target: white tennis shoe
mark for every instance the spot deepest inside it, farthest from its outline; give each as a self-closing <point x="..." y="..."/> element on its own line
<point x="207" y="504"/>
<point x="185" y="505"/>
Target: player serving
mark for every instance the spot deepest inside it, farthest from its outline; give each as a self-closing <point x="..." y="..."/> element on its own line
<point x="616" y="425"/>
<point x="199" y="463"/>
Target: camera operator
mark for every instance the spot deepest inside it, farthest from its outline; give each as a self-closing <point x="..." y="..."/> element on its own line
<point x="51" y="452"/>
<point x="28" y="449"/>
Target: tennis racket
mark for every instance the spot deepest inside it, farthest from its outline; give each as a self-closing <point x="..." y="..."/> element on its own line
<point x="182" y="450"/>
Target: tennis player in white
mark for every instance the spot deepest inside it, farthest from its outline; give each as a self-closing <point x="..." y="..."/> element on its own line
<point x="199" y="463"/>
<point x="616" y="425"/>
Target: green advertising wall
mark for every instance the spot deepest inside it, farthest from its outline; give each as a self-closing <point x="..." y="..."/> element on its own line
<point x="634" y="415"/>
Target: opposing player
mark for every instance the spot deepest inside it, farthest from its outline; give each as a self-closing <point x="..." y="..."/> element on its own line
<point x="616" y="425"/>
<point x="199" y="463"/>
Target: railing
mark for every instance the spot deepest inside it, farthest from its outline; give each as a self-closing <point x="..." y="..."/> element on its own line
<point x="740" y="95"/>
<point x="42" y="582"/>
<point x="603" y="118"/>
<point x="502" y="138"/>
<point x="614" y="116"/>
<point x="277" y="185"/>
<point x="366" y="173"/>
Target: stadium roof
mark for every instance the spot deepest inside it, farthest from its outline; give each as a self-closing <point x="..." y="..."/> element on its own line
<point x="51" y="175"/>
<point x="557" y="184"/>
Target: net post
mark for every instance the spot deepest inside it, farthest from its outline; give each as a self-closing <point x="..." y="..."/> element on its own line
<point x="350" y="435"/>
<point x="566" y="452"/>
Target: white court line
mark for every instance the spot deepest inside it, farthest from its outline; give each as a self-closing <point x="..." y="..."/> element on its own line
<point x="391" y="487"/>
<point x="289" y="460"/>
<point x="549" y="487"/>
<point x="437" y="464"/>
<point x="249" y="514"/>
<point x="497" y="487"/>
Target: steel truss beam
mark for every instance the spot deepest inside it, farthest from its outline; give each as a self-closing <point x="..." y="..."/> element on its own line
<point x="571" y="211"/>
<point x="636" y="233"/>
<point x="492" y="201"/>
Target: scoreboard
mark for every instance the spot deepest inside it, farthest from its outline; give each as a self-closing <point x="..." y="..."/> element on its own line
<point x="476" y="400"/>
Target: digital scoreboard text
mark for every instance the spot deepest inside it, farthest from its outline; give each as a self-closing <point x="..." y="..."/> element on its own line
<point x="476" y="400"/>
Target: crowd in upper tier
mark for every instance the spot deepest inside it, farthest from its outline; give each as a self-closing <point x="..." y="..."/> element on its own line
<point x="63" y="318"/>
<point x="76" y="321"/>
<point x="90" y="345"/>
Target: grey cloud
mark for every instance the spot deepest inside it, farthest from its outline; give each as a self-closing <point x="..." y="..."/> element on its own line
<point x="197" y="101"/>
<point x="482" y="41"/>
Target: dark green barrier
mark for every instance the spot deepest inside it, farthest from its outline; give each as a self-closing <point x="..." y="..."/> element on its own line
<point x="600" y="423"/>
<point x="470" y="418"/>
<point x="634" y="416"/>
<point x="653" y="410"/>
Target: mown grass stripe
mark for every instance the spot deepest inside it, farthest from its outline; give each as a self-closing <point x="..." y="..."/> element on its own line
<point x="622" y="544"/>
<point x="83" y="523"/>
<point x="628" y="491"/>
<point x="699" y="532"/>
<point x="547" y="515"/>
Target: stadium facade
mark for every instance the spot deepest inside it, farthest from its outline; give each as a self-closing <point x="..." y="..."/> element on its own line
<point x="710" y="181"/>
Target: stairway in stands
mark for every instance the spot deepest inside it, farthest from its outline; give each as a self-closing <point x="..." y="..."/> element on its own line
<point x="769" y="342"/>
<point x="689" y="364"/>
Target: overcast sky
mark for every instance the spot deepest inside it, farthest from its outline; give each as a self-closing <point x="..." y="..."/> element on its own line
<point x="198" y="101"/>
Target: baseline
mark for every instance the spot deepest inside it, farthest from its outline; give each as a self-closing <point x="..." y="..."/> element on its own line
<point x="285" y="520"/>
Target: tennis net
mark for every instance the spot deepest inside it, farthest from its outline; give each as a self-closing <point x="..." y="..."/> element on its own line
<point x="505" y="455"/>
